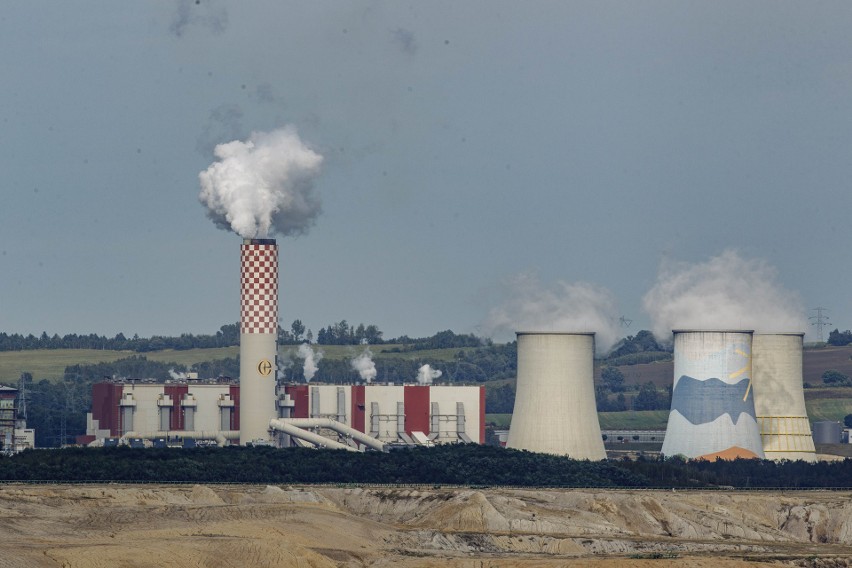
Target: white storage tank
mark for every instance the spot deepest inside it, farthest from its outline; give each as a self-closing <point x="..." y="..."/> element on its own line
<point x="712" y="414"/>
<point x="555" y="409"/>
<point x="779" y="398"/>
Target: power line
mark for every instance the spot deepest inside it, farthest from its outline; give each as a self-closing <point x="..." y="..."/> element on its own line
<point x="820" y="320"/>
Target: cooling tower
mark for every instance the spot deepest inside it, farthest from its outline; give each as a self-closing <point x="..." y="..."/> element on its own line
<point x="779" y="400"/>
<point x="712" y="414"/>
<point x="555" y="403"/>
<point x="258" y="337"/>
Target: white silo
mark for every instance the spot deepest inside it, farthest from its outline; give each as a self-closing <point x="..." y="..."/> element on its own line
<point x="712" y="412"/>
<point x="555" y="409"/>
<point x="258" y="337"/>
<point x="779" y="398"/>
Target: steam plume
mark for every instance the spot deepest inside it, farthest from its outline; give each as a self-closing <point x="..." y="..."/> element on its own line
<point x="263" y="185"/>
<point x="567" y="306"/>
<point x="311" y="360"/>
<point x="426" y="374"/>
<point x="365" y="366"/>
<point x="176" y="375"/>
<point x="725" y="292"/>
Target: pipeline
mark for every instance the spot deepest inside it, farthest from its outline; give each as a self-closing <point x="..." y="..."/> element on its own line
<point x="294" y="427"/>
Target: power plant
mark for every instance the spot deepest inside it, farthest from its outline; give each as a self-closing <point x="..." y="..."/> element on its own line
<point x="779" y="398"/>
<point x="712" y="411"/>
<point x="555" y="409"/>
<point x="717" y="410"/>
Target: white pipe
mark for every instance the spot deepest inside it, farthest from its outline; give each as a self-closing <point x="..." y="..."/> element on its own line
<point x="364" y="439"/>
<point x="308" y="436"/>
<point x="219" y="436"/>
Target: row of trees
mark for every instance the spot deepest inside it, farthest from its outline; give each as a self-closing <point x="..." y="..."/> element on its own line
<point x="226" y="336"/>
<point x="840" y="338"/>
<point x="459" y="464"/>
<point x="340" y="333"/>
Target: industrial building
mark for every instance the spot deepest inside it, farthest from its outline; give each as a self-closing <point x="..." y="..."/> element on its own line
<point x="307" y="414"/>
<point x="555" y="410"/>
<point x="779" y="398"/>
<point x="14" y="434"/>
<point x="712" y="411"/>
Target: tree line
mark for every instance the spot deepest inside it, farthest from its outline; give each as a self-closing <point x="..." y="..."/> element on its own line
<point x="456" y="464"/>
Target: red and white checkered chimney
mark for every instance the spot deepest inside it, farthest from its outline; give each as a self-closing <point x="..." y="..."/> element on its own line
<point x="258" y="337"/>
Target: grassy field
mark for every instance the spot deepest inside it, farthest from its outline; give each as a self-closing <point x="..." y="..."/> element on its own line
<point x="51" y="363"/>
<point x="829" y="409"/>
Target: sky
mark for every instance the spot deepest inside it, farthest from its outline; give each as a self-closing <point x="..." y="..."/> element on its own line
<point x="464" y="145"/>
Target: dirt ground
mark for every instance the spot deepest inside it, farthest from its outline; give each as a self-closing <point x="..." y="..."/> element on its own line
<point x="224" y="526"/>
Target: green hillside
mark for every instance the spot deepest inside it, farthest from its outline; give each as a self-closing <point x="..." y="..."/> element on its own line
<point x="51" y="363"/>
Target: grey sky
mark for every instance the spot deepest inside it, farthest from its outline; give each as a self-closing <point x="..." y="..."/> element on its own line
<point x="463" y="143"/>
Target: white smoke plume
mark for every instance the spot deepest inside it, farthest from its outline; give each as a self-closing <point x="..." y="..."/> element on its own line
<point x="577" y="306"/>
<point x="426" y="374"/>
<point x="725" y="292"/>
<point x="177" y="376"/>
<point x="365" y="366"/>
<point x="312" y="360"/>
<point x="262" y="186"/>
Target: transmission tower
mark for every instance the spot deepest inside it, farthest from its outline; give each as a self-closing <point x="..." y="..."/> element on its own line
<point x="624" y="321"/>
<point x="820" y="320"/>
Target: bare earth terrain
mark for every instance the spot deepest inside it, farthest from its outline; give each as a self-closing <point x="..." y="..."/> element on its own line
<point x="219" y="526"/>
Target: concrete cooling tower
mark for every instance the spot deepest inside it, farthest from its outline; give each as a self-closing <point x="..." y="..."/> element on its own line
<point x="779" y="400"/>
<point x="258" y="337"/>
<point x="712" y="414"/>
<point x="555" y="403"/>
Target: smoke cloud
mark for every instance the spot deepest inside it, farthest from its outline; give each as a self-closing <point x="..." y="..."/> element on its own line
<point x="566" y="306"/>
<point x="365" y="366"/>
<point x="426" y="374"/>
<point x="177" y="376"/>
<point x="725" y="292"/>
<point x="262" y="186"/>
<point x="311" y="360"/>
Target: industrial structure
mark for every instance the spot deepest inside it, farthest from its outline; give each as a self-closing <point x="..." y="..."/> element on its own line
<point x="555" y="410"/>
<point x="258" y="337"/>
<point x="779" y="398"/>
<point x="352" y="416"/>
<point x="712" y="411"/>
<point x="14" y="434"/>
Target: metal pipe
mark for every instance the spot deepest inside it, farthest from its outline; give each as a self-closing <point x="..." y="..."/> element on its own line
<point x="316" y="439"/>
<point x="339" y="427"/>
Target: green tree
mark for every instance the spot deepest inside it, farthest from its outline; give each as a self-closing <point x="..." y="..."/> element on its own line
<point x="648" y="398"/>
<point x="613" y="378"/>
<point x="835" y="377"/>
<point x="298" y="329"/>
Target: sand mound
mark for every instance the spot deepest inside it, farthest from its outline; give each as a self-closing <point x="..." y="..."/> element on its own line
<point x="203" y="495"/>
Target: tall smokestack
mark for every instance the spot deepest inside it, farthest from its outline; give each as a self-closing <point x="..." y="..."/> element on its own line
<point x="555" y="403"/>
<point x="258" y="337"/>
<point x="712" y="414"/>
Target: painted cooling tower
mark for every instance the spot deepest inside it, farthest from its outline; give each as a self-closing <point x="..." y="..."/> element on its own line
<point x="712" y="414"/>
<point x="258" y="337"/>
<point x="555" y="403"/>
<point x="779" y="400"/>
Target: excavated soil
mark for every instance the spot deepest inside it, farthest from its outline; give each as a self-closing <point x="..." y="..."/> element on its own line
<point x="224" y="526"/>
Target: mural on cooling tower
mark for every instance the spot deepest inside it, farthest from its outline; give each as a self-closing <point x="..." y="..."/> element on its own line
<point x="712" y="413"/>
